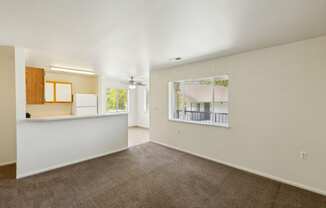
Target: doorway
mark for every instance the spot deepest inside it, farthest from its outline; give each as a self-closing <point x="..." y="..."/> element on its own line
<point x="137" y="135"/>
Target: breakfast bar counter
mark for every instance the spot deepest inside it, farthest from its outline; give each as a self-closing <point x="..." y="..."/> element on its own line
<point x="44" y="144"/>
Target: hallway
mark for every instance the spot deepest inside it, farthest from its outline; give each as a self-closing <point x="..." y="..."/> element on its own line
<point x="137" y="135"/>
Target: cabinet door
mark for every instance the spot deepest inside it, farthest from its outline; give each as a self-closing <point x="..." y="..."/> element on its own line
<point x="63" y="92"/>
<point x="34" y="85"/>
<point x="49" y="92"/>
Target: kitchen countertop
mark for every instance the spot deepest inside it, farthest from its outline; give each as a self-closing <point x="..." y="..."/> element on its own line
<point x="69" y="117"/>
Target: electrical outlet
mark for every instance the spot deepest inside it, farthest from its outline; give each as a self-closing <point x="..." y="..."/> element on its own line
<point x="303" y="155"/>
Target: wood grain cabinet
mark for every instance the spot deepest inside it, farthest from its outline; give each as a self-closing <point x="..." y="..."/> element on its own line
<point x="34" y="85"/>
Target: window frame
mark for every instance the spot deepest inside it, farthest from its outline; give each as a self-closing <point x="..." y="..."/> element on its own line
<point x="146" y="100"/>
<point x="117" y="111"/>
<point x="172" y="106"/>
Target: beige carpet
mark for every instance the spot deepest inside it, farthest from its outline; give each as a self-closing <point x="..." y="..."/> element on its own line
<point x="152" y="176"/>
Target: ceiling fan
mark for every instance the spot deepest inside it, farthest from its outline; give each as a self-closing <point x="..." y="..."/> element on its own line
<point x="133" y="83"/>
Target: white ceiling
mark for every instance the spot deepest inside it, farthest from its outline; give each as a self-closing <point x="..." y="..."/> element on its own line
<point x="123" y="37"/>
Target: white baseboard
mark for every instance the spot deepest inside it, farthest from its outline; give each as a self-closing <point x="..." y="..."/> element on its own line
<point x="8" y="163"/>
<point x="67" y="164"/>
<point x="142" y="126"/>
<point x="256" y="172"/>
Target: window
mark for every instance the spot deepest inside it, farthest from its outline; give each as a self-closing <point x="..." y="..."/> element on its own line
<point x="202" y="101"/>
<point x="116" y="100"/>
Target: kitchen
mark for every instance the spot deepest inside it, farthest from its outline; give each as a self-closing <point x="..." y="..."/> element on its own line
<point x="63" y="121"/>
<point x="60" y="92"/>
<point x="58" y="115"/>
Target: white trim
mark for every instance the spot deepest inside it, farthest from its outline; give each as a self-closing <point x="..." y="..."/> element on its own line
<point x="201" y="123"/>
<point x="8" y="163"/>
<point x="115" y="113"/>
<point x="142" y="126"/>
<point x="256" y="172"/>
<point x="68" y="163"/>
<point x="171" y="100"/>
<point x="139" y="125"/>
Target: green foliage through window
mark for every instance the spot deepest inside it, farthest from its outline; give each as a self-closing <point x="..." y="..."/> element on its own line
<point x="224" y="83"/>
<point x="116" y="100"/>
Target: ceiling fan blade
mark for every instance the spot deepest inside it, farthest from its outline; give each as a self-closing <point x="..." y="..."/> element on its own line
<point x="140" y="84"/>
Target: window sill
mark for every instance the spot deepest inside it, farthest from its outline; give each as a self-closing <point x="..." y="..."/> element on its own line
<point x="201" y="123"/>
<point x="115" y="113"/>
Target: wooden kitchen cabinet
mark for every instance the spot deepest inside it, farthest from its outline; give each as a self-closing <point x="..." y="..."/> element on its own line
<point x="34" y="78"/>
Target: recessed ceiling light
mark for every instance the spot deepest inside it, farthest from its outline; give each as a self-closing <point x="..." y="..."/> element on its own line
<point x="176" y="59"/>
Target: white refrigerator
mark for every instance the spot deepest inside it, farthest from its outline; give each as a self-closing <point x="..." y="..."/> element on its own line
<point x="84" y="105"/>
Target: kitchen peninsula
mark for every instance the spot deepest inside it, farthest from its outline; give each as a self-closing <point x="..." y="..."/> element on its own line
<point x="57" y="132"/>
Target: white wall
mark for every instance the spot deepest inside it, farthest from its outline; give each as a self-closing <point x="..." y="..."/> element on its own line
<point x="142" y="114"/>
<point x="20" y="83"/>
<point x="45" y="145"/>
<point x="277" y="109"/>
<point x="7" y="106"/>
<point x="132" y="116"/>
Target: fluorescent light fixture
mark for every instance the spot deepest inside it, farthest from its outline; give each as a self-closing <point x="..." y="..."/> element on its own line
<point x="72" y="70"/>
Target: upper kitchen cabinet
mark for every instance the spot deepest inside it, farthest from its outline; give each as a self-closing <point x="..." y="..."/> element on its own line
<point x="34" y="85"/>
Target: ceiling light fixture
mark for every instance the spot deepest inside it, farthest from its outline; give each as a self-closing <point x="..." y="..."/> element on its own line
<point x="176" y="59"/>
<point x="132" y="86"/>
<point x="74" y="70"/>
